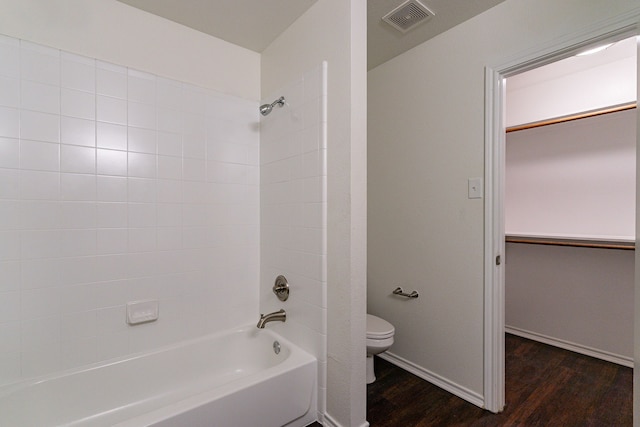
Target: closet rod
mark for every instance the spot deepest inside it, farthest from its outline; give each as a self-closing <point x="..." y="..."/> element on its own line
<point x="573" y="243"/>
<point x="615" y="109"/>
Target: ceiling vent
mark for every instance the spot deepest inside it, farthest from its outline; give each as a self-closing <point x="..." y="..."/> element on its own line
<point x="408" y="15"/>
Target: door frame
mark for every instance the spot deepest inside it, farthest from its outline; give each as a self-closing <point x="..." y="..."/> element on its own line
<point x="494" y="236"/>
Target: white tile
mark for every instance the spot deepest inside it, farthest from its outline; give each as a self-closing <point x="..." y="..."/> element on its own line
<point x="169" y="93"/>
<point x="43" y="302"/>
<point x="169" y="144"/>
<point x="111" y="162"/>
<point x="169" y="120"/>
<point x="39" y="126"/>
<point x="195" y="146"/>
<point x="194" y="169"/>
<point x="111" y="189"/>
<point x="111" y="136"/>
<point x="112" y="215"/>
<point x="111" y="110"/>
<point x="40" y="64"/>
<point x="9" y="153"/>
<point x="141" y="115"/>
<point x="142" y="215"/>
<point x="77" y="159"/>
<point x="9" y="91"/>
<point x="142" y="264"/>
<point x="194" y="124"/>
<point x="9" y="306"/>
<point x="40" y="97"/>
<point x="39" y="214"/>
<point x="76" y="103"/>
<point x="10" y="337"/>
<point x="194" y="215"/>
<point x="41" y="273"/>
<point x="169" y="214"/>
<point x="169" y="191"/>
<point x="82" y="324"/>
<point x="141" y="190"/>
<point x="42" y="360"/>
<point x="40" y="243"/>
<point x="39" y="185"/>
<point x="78" y="131"/>
<point x="10" y="215"/>
<point x="142" y="165"/>
<point x="42" y="156"/>
<point x="113" y="345"/>
<point x="77" y="187"/>
<point x="9" y="276"/>
<point x="10" y="367"/>
<point x="194" y="237"/>
<point x="194" y="99"/>
<point x="78" y="351"/>
<point x="111" y="319"/>
<point x="78" y="215"/>
<point x="169" y="238"/>
<point x="78" y="73"/>
<point x="10" y="60"/>
<point x="76" y="243"/>
<point x="9" y="122"/>
<point x="142" y="239"/>
<point x="142" y="140"/>
<point x="169" y="167"/>
<point x="111" y="82"/>
<point x="77" y="270"/>
<point x="141" y="88"/>
<point x="111" y="268"/>
<point x="112" y="241"/>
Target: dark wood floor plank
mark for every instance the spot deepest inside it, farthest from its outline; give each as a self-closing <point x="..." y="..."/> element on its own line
<point x="545" y="386"/>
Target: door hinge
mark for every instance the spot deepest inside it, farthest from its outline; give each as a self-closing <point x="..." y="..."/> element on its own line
<point x="498" y="260"/>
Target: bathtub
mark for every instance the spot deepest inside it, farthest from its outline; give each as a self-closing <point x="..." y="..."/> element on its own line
<point x="232" y="379"/>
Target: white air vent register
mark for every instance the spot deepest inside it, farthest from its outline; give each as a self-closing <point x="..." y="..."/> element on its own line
<point x="408" y="15"/>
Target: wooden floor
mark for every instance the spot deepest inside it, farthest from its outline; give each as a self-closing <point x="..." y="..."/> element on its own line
<point x="545" y="386"/>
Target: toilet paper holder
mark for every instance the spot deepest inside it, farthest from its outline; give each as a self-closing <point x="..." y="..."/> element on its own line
<point x="399" y="291"/>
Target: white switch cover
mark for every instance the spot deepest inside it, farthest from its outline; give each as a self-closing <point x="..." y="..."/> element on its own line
<point x="142" y="312"/>
<point x="475" y="188"/>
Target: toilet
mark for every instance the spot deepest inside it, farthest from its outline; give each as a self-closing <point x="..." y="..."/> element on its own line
<point x="379" y="339"/>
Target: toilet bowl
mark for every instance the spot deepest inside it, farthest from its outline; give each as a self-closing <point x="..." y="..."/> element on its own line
<point x="379" y="339"/>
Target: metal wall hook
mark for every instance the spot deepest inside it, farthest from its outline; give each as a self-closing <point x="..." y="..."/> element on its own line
<point x="399" y="291"/>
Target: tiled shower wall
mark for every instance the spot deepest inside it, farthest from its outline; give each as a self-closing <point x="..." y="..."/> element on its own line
<point x="293" y="179"/>
<point x="117" y="186"/>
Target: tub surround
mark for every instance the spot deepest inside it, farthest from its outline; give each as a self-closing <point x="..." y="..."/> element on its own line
<point x="119" y="186"/>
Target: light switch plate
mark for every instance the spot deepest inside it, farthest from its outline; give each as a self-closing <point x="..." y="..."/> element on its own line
<point x="475" y="188"/>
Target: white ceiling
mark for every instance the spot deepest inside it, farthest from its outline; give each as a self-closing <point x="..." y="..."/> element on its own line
<point x="254" y="24"/>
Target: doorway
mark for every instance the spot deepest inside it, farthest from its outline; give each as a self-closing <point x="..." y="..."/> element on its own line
<point x="494" y="206"/>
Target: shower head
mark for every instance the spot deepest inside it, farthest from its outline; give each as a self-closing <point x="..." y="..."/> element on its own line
<point x="265" y="109"/>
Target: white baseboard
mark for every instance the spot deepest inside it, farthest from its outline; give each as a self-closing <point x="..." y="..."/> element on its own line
<point x="571" y="346"/>
<point x="445" y="384"/>
<point x="327" y="421"/>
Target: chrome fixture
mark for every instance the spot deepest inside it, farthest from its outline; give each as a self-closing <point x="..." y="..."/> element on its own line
<point x="276" y="347"/>
<point x="399" y="291"/>
<point x="265" y="109"/>
<point x="279" y="315"/>
<point x="281" y="288"/>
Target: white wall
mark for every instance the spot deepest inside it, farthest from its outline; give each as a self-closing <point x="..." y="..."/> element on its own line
<point x="293" y="220"/>
<point x="577" y="298"/>
<point x="117" y="186"/>
<point x="115" y="32"/>
<point x="426" y="138"/>
<point x="573" y="179"/>
<point x="335" y="31"/>
<point x="573" y="85"/>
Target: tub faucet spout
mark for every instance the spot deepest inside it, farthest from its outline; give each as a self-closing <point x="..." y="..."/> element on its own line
<point x="279" y="315"/>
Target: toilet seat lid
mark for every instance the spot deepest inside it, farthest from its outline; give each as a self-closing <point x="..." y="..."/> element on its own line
<point x="378" y="328"/>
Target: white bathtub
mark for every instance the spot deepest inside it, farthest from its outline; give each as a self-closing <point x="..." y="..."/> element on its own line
<point x="232" y="379"/>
